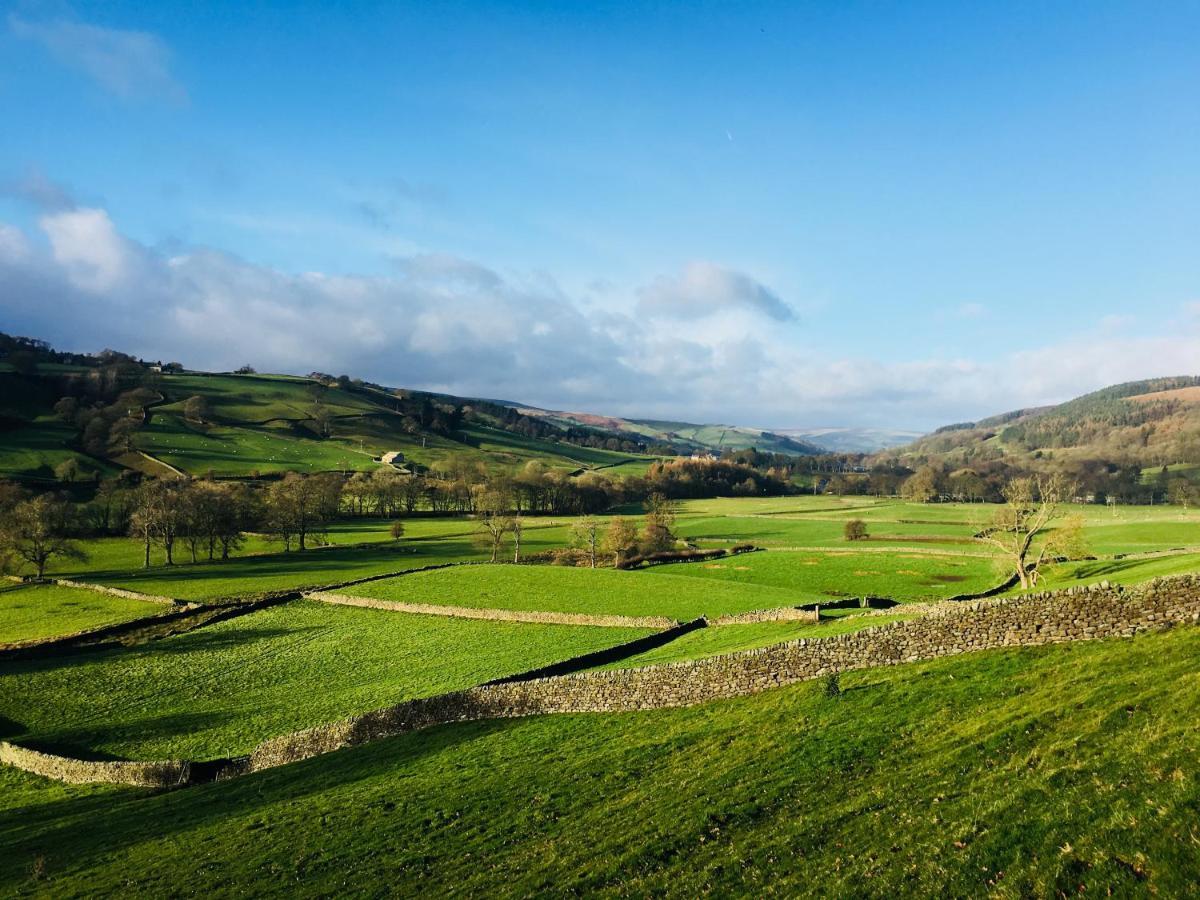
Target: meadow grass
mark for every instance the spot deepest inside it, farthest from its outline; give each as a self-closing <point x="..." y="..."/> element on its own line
<point x="813" y="576"/>
<point x="579" y="590"/>
<point x="219" y="690"/>
<point x="31" y="611"/>
<point x="715" y="640"/>
<point x="1027" y="772"/>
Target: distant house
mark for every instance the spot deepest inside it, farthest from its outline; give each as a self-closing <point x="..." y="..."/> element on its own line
<point x="703" y="455"/>
<point x="392" y="458"/>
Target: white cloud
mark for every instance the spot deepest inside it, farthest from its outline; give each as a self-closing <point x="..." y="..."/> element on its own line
<point x="133" y="65"/>
<point x="446" y="323"/>
<point x="971" y="311"/>
<point x="87" y="246"/>
<point x="704" y="289"/>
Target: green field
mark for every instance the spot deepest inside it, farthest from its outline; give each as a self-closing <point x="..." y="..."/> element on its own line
<point x="814" y="576"/>
<point x="715" y="640"/>
<point x="1038" y="772"/>
<point x="220" y="690"/>
<point x="592" y="591"/>
<point x="33" y="611"/>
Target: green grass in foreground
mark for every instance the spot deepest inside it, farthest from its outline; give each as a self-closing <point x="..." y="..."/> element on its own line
<point x="35" y="611"/>
<point x="220" y="690"/>
<point x="716" y="640"/>
<point x="1034" y="772"/>
<point x="1118" y="571"/>
<point x="579" y="590"/>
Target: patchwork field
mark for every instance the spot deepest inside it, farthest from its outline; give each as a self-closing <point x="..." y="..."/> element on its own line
<point x="963" y="777"/>
<point x="732" y="796"/>
<point x="32" y="611"/>
<point x="221" y="689"/>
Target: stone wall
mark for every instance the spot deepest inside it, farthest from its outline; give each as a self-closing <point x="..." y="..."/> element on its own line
<point x="778" y="614"/>
<point x="80" y="771"/>
<point x="115" y="592"/>
<point x="1030" y="620"/>
<point x="499" y="615"/>
<point x="1023" y="621"/>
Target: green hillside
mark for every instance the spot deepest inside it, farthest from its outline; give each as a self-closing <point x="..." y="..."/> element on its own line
<point x="1040" y="772"/>
<point x="262" y="424"/>
<point x="1144" y="424"/>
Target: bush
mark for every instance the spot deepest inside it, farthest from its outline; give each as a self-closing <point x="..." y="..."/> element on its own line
<point x="855" y="530"/>
<point x="832" y="686"/>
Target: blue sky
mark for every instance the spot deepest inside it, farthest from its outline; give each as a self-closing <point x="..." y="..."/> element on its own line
<point x="780" y="215"/>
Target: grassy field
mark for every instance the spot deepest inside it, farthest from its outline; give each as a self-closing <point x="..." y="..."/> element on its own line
<point x="220" y="690"/>
<point x="1036" y="772"/>
<point x="594" y="591"/>
<point x="42" y="610"/>
<point x="813" y="576"/>
<point x="713" y="641"/>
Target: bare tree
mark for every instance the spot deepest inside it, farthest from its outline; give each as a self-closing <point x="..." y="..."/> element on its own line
<point x="621" y="538"/>
<point x="586" y="534"/>
<point x="1029" y="506"/>
<point x="492" y="508"/>
<point x="35" y="531"/>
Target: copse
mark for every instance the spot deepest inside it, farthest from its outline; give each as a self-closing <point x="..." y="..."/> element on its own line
<point x="33" y="532"/>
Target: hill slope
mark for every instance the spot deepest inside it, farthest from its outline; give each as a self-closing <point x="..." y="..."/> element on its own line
<point x="1148" y="423"/>
<point x="1038" y="772"/>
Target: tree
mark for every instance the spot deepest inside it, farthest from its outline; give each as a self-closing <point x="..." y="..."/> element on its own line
<point x="855" y="530"/>
<point x="660" y="522"/>
<point x="621" y="538"/>
<point x="397" y="530"/>
<point x="196" y="409"/>
<point x="158" y="516"/>
<point x="492" y="507"/>
<point x="1029" y="506"/>
<point x="516" y="527"/>
<point x="923" y="485"/>
<point x="68" y="470"/>
<point x="585" y="534"/>
<point x="300" y="506"/>
<point x="67" y="409"/>
<point x="35" y="532"/>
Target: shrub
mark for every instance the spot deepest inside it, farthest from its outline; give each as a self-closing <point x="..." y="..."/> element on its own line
<point x="855" y="530"/>
<point x="832" y="686"/>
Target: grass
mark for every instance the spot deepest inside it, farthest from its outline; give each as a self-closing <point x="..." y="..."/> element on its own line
<point x="815" y="576"/>
<point x="1032" y="772"/>
<point x="713" y="641"/>
<point x="1118" y="571"/>
<point x="32" y="611"/>
<point x="220" y="690"/>
<point x="593" y="591"/>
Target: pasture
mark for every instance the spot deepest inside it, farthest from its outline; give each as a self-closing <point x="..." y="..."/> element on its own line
<point x="692" y="799"/>
<point x="1010" y="773"/>
<point x="220" y="690"/>
<point x="33" y="611"/>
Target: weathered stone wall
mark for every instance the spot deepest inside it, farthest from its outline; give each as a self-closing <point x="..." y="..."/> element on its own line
<point x="81" y="771"/>
<point x="951" y="629"/>
<point x="778" y="614"/>
<point x="115" y="592"/>
<point x="499" y="615"/>
<point x="1024" y="621"/>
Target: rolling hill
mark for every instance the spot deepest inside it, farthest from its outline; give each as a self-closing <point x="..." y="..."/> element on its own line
<point x="1147" y="424"/>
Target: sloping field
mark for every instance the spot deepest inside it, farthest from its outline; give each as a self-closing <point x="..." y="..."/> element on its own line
<point x="32" y="611"/>
<point x="813" y="576"/>
<point x="572" y="590"/>
<point x="220" y="690"/>
<point x="1038" y="772"/>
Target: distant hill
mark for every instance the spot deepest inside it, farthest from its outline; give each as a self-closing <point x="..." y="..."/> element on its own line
<point x="852" y="440"/>
<point x="687" y="435"/>
<point x="1149" y="423"/>
<point x="66" y="416"/>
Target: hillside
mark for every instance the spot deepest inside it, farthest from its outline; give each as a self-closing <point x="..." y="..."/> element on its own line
<point x="1036" y="772"/>
<point x="687" y="436"/>
<point x="79" y="414"/>
<point x="116" y="415"/>
<point x="1142" y="424"/>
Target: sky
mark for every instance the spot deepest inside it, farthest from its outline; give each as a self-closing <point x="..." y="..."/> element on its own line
<point x="780" y="215"/>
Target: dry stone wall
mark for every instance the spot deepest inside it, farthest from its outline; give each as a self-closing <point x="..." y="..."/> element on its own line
<point x="499" y="615"/>
<point x="1023" y="621"/>
<point x="1030" y="620"/>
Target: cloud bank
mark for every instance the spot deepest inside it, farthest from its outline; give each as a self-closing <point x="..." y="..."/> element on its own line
<point x="705" y="344"/>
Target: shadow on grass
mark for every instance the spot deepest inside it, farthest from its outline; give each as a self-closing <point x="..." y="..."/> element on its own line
<point x="70" y="826"/>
